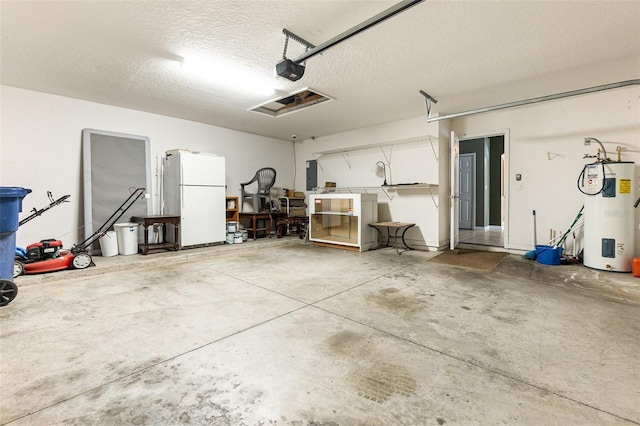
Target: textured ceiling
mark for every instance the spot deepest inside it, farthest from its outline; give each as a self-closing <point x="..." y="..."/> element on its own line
<point x="466" y="54"/>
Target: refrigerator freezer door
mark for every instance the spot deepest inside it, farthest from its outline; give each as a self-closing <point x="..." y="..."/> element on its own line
<point x="203" y="215"/>
<point x="171" y="185"/>
<point x="202" y="169"/>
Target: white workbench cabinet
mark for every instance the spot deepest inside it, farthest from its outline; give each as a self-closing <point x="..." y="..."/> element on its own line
<point x="343" y="219"/>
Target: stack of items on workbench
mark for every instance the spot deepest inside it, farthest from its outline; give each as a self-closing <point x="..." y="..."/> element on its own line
<point x="293" y="204"/>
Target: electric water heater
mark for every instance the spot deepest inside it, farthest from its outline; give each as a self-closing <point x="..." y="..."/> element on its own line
<point x="609" y="234"/>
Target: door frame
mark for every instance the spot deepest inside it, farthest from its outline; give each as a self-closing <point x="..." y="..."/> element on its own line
<point x="454" y="187"/>
<point x="507" y="148"/>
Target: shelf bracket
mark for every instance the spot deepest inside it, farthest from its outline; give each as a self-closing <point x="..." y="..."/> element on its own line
<point x="435" y="203"/>
<point x="435" y="154"/>
<point x="318" y="162"/>
<point x="345" y="156"/>
<point x="390" y="197"/>
<point x="388" y="158"/>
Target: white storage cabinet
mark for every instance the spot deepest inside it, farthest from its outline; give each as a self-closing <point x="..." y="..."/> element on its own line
<point x="343" y="219"/>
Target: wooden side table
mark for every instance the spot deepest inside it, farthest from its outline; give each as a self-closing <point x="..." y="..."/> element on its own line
<point x="163" y="220"/>
<point x="255" y="219"/>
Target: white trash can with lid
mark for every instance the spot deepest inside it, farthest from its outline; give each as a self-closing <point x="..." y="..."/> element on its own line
<point x="127" y="237"/>
<point x="109" y="244"/>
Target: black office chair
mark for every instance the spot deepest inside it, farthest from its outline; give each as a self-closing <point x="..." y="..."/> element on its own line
<point x="265" y="178"/>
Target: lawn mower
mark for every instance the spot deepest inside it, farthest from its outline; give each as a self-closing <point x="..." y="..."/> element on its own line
<point x="48" y="255"/>
<point x="52" y="203"/>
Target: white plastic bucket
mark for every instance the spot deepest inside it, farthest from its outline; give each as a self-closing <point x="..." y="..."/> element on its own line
<point x="237" y="239"/>
<point x="154" y="234"/>
<point x="127" y="237"/>
<point x="109" y="244"/>
<point x="230" y="237"/>
<point x="232" y="226"/>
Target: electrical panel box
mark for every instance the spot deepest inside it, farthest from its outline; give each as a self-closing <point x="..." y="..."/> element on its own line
<point x="312" y="175"/>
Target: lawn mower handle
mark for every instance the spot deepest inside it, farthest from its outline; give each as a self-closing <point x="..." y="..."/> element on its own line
<point x="82" y="247"/>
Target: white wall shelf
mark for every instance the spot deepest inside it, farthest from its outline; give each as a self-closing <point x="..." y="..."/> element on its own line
<point x="344" y="152"/>
<point x="388" y="189"/>
<point x="381" y="145"/>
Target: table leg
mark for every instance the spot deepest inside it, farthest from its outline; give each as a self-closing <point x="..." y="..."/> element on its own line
<point x="379" y="236"/>
<point x="403" y="241"/>
<point x="255" y="226"/>
<point x="395" y="241"/>
<point x="145" y="248"/>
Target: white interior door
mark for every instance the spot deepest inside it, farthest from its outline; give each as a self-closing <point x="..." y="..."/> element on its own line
<point x="467" y="184"/>
<point x="454" y="185"/>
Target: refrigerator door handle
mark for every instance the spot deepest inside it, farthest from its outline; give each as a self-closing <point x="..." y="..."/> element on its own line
<point x="182" y="196"/>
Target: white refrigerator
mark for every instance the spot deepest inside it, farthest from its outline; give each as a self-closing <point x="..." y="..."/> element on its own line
<point x="194" y="189"/>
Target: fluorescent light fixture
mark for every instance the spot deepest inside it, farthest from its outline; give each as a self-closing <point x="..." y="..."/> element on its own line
<point x="224" y="73"/>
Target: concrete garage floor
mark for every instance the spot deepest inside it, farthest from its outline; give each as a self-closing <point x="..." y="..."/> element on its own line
<point x="279" y="332"/>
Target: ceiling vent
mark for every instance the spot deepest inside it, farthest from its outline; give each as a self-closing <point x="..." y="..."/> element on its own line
<point x="295" y="101"/>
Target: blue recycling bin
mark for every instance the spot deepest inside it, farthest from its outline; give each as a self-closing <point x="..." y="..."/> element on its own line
<point x="10" y="206"/>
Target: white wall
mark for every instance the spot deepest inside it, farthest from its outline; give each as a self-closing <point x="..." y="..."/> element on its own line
<point x="410" y="162"/>
<point x="40" y="149"/>
<point x="547" y="148"/>
<point x="41" y="138"/>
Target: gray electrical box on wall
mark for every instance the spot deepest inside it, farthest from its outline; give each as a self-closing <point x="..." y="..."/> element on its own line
<point x="312" y="174"/>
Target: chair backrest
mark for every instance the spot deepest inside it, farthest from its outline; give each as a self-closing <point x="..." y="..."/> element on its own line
<point x="266" y="177"/>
